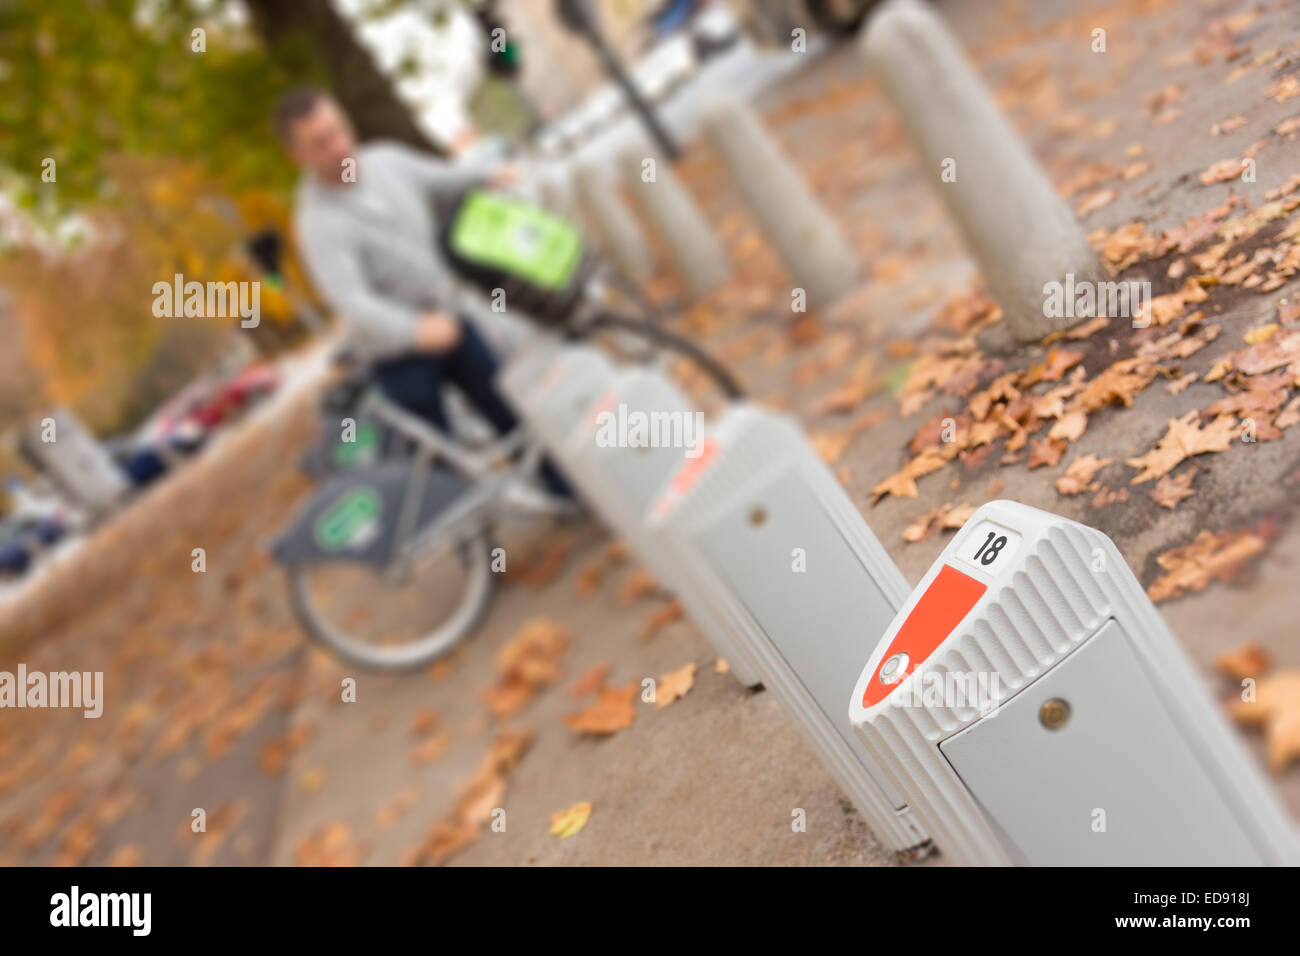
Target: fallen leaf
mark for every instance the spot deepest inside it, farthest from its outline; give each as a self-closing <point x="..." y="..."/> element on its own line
<point x="1109" y="496"/>
<point x="1209" y="557"/>
<point x="1222" y="171"/>
<point x="661" y="618"/>
<point x="1046" y="452"/>
<point x="1275" y="710"/>
<point x="1183" y="440"/>
<point x="1079" y="474"/>
<point x="566" y="823"/>
<point x="431" y="748"/>
<point x="1245" y="660"/>
<point x="1172" y="489"/>
<point x="614" y="710"/>
<point x="639" y="584"/>
<point x="674" y="685"/>
<point x="590" y="680"/>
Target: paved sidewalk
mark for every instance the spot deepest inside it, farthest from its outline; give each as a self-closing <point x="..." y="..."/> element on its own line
<point x="413" y="771"/>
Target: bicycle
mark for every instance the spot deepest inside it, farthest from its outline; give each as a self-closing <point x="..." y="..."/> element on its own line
<point x="403" y="504"/>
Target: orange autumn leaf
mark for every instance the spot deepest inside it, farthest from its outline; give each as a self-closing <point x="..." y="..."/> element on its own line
<point x="1245" y="660"/>
<point x="1209" y="557"/>
<point x="674" y="685"/>
<point x="1172" y="489"/>
<point x="567" y="823"/>
<point x="614" y="710"/>
<point x="592" y="678"/>
<point x="1275" y="709"/>
<point x="1183" y="440"/>
<point x="1079" y="474"/>
<point x="661" y="618"/>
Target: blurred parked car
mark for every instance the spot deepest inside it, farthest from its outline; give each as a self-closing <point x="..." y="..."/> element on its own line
<point x="771" y="21"/>
<point x="185" y="423"/>
<point x="33" y="524"/>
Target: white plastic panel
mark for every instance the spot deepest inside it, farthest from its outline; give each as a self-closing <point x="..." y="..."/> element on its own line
<point x="1119" y="762"/>
<point x="822" y="621"/>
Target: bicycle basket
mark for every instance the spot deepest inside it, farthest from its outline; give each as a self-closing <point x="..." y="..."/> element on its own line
<point x="539" y="260"/>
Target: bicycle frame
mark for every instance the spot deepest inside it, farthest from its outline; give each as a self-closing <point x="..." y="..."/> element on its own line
<point x="487" y="469"/>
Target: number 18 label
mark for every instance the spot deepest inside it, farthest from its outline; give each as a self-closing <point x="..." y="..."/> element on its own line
<point x="988" y="547"/>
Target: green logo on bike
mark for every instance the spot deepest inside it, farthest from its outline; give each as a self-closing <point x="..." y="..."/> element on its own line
<point x="350" y="523"/>
<point x="350" y="454"/>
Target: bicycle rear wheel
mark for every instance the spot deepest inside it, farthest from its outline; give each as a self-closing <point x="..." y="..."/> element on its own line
<point x="400" y="617"/>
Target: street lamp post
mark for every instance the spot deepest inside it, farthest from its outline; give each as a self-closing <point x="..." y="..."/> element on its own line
<point x="581" y="17"/>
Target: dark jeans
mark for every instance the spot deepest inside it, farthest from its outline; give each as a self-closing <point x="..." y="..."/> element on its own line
<point x="415" y="382"/>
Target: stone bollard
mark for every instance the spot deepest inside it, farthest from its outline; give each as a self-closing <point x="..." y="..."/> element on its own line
<point x="809" y="241"/>
<point x="666" y="203"/>
<point x="1018" y="229"/>
<point x="554" y="194"/>
<point x="615" y="227"/>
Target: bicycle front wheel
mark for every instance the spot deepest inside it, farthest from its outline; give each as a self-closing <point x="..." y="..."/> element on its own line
<point x="400" y="617"/>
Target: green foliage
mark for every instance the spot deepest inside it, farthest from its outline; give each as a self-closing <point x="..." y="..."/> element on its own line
<point x="82" y="81"/>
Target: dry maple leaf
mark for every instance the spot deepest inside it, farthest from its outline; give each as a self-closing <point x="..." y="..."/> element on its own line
<point x="661" y="618"/>
<point x="674" y="685"/>
<point x="539" y="639"/>
<point x="566" y="823"/>
<point x="921" y="527"/>
<point x="508" y="696"/>
<point x="591" y="577"/>
<point x="592" y="678"/>
<point x="1276" y="710"/>
<point x="1183" y="440"/>
<point x="614" y="710"/>
<point x="903" y="484"/>
<point x="1046" y="452"/>
<point x="1094" y="201"/>
<point x="1117" y="384"/>
<point x="1209" y="557"/>
<point x="480" y="797"/>
<point x="445" y="839"/>
<point x="956" y="516"/>
<point x="1172" y="489"/>
<point x="424" y="722"/>
<point x="1125" y="245"/>
<point x="1070" y="427"/>
<point x="639" y="584"/>
<point x="431" y="748"/>
<point x="330" y="845"/>
<point x="396" y="808"/>
<point x="1109" y="496"/>
<point x="831" y="445"/>
<point x="860" y="383"/>
<point x="1222" y="171"/>
<point x="1245" y="660"/>
<point x="1079" y="474"/>
<point x="946" y="517"/>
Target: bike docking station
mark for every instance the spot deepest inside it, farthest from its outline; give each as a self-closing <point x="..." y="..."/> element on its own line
<point x="1030" y="703"/>
<point x="619" y="479"/>
<point x="552" y="384"/>
<point x="763" y="528"/>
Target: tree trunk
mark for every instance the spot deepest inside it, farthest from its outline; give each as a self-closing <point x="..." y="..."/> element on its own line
<point x="304" y="36"/>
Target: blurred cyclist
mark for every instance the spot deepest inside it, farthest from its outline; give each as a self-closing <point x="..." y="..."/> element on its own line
<point x="366" y="221"/>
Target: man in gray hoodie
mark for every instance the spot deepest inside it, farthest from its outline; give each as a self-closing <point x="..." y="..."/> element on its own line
<point x="366" y="221"/>
<point x="365" y="218"/>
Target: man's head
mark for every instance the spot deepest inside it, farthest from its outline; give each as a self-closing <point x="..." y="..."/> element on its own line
<point x="315" y="132"/>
